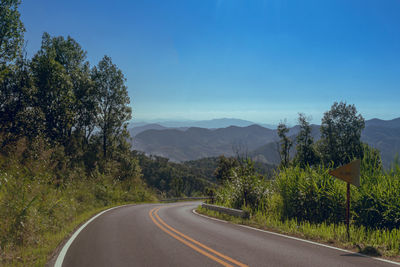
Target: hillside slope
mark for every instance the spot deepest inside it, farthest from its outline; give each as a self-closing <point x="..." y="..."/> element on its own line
<point x="195" y="143"/>
<point x="255" y="141"/>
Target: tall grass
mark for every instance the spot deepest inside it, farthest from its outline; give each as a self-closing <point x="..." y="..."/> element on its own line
<point x="310" y="203"/>
<point x="35" y="208"/>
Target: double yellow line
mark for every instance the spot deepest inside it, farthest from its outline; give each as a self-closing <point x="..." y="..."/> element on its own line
<point x="190" y="242"/>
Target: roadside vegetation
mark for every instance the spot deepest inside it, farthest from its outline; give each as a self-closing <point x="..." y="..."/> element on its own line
<point x="304" y="200"/>
<point x="64" y="151"/>
<point x="64" y="146"/>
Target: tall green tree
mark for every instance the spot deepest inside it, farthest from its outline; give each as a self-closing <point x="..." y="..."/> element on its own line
<point x="285" y="144"/>
<point x="55" y="92"/>
<point x="305" y="153"/>
<point x="85" y="103"/>
<point x="72" y="57"/>
<point x="11" y="31"/>
<point x="62" y="77"/>
<point x="112" y="103"/>
<point x="19" y="114"/>
<point x="341" y="129"/>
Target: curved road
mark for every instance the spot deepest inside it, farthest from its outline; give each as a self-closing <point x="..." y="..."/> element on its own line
<point x="172" y="235"/>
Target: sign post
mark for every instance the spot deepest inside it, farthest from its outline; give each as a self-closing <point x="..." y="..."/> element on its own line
<point x="348" y="212"/>
<point x="349" y="173"/>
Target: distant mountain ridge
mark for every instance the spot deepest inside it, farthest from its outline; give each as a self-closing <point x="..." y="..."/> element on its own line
<point x="209" y="124"/>
<point x="183" y="144"/>
<point x="152" y="126"/>
<point x="394" y="123"/>
<point x="195" y="143"/>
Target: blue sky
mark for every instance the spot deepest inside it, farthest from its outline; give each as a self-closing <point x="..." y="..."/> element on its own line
<point x="257" y="60"/>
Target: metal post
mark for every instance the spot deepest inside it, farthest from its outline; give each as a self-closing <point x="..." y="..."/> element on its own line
<point x="348" y="212"/>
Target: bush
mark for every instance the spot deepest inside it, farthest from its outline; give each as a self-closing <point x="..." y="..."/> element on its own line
<point x="244" y="188"/>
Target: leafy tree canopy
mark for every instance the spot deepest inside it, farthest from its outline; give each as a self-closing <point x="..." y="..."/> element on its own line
<point x="285" y="143"/>
<point x="341" y="129"/>
<point x="11" y="31"/>
<point x="305" y="150"/>
<point x="113" y="111"/>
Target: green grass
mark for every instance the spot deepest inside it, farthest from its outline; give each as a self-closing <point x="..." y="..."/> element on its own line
<point x="37" y="212"/>
<point x="33" y="255"/>
<point x="384" y="242"/>
<point x="38" y="256"/>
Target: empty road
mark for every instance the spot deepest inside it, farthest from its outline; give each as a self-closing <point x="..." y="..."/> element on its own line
<point x="172" y="235"/>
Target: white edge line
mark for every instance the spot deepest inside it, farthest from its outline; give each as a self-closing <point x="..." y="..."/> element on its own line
<point x="63" y="252"/>
<point x="300" y="239"/>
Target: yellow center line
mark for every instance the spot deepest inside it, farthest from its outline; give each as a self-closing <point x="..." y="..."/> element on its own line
<point x="200" y="244"/>
<point x="187" y="243"/>
<point x="193" y="241"/>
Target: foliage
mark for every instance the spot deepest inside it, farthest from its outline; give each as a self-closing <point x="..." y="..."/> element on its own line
<point x="310" y="194"/>
<point x="173" y="179"/>
<point x="285" y="144"/>
<point x="19" y="113"/>
<point x="340" y="134"/>
<point x="307" y="201"/>
<point x="112" y="97"/>
<point x="376" y="203"/>
<point x="306" y="155"/>
<point x="243" y="188"/>
<point x="223" y="170"/>
<point x="204" y="167"/>
<point x="34" y="203"/>
<point x="54" y="86"/>
<point x="11" y="32"/>
<point x="57" y="96"/>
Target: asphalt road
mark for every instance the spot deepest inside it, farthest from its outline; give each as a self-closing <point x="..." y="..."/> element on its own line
<point x="172" y="235"/>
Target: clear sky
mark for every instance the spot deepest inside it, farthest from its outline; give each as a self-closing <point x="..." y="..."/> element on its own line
<point x="262" y="61"/>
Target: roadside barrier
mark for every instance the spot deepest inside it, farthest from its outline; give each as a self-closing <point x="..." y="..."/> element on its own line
<point x="229" y="211"/>
<point x="183" y="198"/>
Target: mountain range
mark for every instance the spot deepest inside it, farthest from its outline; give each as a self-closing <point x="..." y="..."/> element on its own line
<point x="210" y="124"/>
<point x="185" y="143"/>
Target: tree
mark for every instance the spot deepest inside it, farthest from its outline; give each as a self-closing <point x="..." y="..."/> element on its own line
<point x="11" y="31"/>
<point x="285" y="144"/>
<point x="223" y="171"/>
<point x="305" y="151"/>
<point x="65" y="89"/>
<point x="112" y="103"/>
<point x="341" y="129"/>
<point x="72" y="57"/>
<point x="85" y="104"/>
<point x="19" y="114"/>
<point x="11" y="40"/>
<point x="54" y="90"/>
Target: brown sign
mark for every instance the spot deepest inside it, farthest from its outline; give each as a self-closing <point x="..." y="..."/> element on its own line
<point x="349" y="172"/>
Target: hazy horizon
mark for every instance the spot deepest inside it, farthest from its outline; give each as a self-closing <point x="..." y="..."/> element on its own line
<point x="160" y="120"/>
